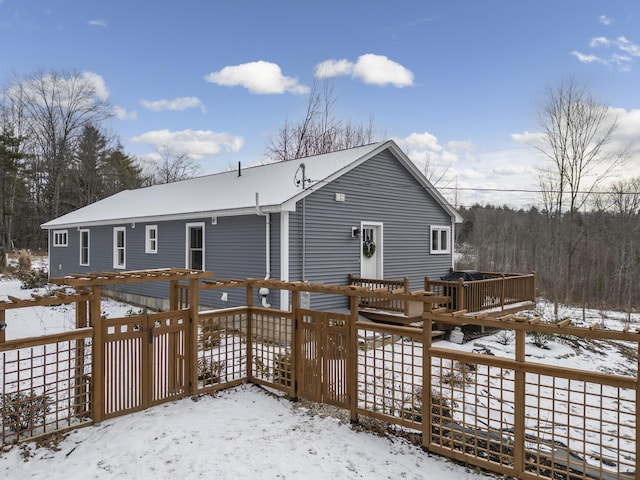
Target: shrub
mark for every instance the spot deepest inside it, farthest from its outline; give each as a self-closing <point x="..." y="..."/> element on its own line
<point x="209" y="335"/>
<point x="25" y="260"/>
<point x="540" y="339"/>
<point x="33" y="279"/>
<point x="505" y="337"/>
<point x="282" y="369"/>
<point x="24" y="411"/>
<point x="210" y="371"/>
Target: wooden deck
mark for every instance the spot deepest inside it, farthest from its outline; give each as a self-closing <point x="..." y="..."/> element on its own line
<point x="498" y="294"/>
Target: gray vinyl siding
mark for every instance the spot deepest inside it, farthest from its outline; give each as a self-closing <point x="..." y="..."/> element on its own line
<point x="234" y="248"/>
<point x="379" y="190"/>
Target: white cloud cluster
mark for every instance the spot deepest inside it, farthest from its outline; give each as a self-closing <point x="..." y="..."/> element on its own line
<point x="259" y="77"/>
<point x="605" y="20"/>
<point x="195" y="143"/>
<point x="622" y="57"/>
<point x="97" y="23"/>
<point x="122" y="113"/>
<point x="370" y="68"/>
<point x="176" y="104"/>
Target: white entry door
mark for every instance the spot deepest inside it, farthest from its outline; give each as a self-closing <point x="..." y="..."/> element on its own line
<point x="371" y="250"/>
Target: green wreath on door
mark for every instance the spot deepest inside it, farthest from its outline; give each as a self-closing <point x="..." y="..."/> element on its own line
<point x="368" y="248"/>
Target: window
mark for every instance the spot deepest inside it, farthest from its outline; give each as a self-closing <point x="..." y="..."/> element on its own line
<point x="151" y="239"/>
<point x="119" y="247"/>
<point x="84" y="247"/>
<point x="440" y="242"/>
<point x="195" y="246"/>
<point x="60" y="238"/>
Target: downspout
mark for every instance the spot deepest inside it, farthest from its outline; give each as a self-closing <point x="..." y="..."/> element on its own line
<point x="264" y="292"/>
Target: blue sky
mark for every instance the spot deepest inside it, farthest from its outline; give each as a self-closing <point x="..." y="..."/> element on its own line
<point x="458" y="81"/>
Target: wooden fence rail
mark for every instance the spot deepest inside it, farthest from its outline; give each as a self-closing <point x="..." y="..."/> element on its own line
<point x="505" y="414"/>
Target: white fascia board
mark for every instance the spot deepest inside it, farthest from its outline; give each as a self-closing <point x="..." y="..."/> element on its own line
<point x="163" y="218"/>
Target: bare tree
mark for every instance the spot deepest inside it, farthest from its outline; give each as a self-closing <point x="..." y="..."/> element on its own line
<point x="171" y="166"/>
<point x="577" y="133"/>
<point x="54" y="108"/>
<point x="319" y="131"/>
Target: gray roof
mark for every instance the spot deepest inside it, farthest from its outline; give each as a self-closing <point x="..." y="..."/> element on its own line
<point x="272" y="185"/>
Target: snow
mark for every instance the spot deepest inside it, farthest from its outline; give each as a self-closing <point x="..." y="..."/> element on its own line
<point x="246" y="432"/>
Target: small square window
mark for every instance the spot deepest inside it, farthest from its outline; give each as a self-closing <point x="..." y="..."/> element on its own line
<point x="440" y="240"/>
<point x="60" y="238"/>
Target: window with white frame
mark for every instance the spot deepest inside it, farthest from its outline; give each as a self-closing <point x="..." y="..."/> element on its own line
<point x="151" y="239"/>
<point x="119" y="247"/>
<point x="440" y="239"/>
<point x="84" y="247"/>
<point x="195" y="246"/>
<point x="60" y="238"/>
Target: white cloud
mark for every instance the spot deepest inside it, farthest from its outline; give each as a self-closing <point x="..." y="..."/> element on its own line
<point x="195" y="143"/>
<point x="605" y="20"/>
<point x="584" y="58"/>
<point x="177" y="104"/>
<point x="122" y="114"/>
<point x="333" y="68"/>
<point x="97" y="23"/>
<point x="102" y="92"/>
<point x="259" y="77"/>
<point x="622" y="61"/>
<point x="370" y="68"/>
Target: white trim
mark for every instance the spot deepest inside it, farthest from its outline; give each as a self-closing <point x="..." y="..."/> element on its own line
<point x="150" y="244"/>
<point x="284" y="258"/>
<point x="187" y="247"/>
<point x="116" y="248"/>
<point x="88" y="232"/>
<point x="62" y="236"/>
<point x="440" y="229"/>
<point x="379" y="227"/>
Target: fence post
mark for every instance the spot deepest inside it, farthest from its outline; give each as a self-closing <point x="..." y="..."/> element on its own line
<point x="97" y="356"/>
<point x="3" y="325"/>
<point x="502" y="292"/>
<point x="519" y="405"/>
<point x="192" y="336"/>
<point x="352" y="359"/>
<point x="427" y="408"/>
<point x="296" y="340"/>
<point x="173" y="295"/>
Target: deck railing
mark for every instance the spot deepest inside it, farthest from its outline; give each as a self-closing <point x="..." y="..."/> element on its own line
<point x="496" y="292"/>
<point x="385" y="304"/>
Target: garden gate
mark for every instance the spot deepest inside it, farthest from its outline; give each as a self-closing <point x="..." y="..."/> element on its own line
<point x="145" y="361"/>
<point x="322" y="349"/>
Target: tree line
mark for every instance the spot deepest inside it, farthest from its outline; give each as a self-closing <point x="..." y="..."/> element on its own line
<point x="606" y="247"/>
<point x="56" y="154"/>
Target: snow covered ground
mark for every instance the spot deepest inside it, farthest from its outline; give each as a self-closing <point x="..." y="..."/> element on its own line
<point x="245" y="432"/>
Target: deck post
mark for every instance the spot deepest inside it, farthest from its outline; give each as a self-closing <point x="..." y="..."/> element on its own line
<point x="460" y="305"/>
<point x="406" y="291"/>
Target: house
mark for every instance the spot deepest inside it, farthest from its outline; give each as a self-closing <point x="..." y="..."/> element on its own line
<point x="367" y="211"/>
